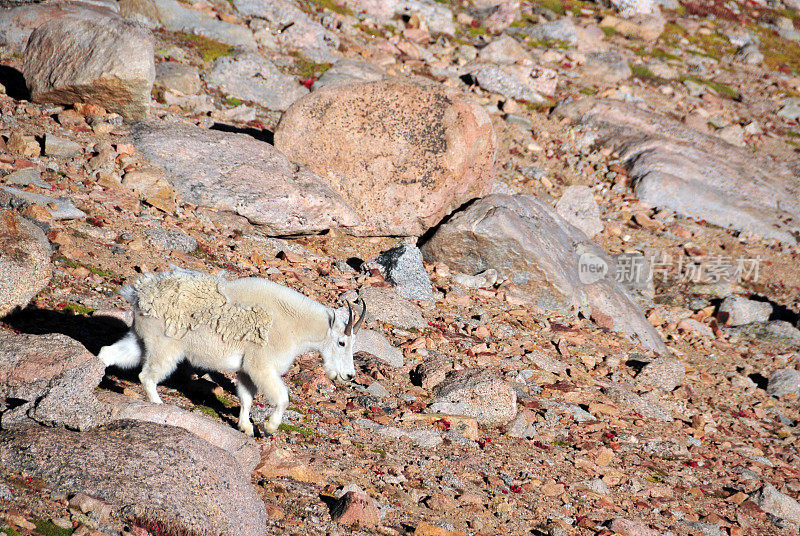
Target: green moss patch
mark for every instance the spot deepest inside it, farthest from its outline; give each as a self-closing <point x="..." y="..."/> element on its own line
<point x="77" y="308"/>
<point x="642" y="73"/>
<point x="331" y="5"/>
<point x="284" y="427"/>
<point x="548" y="43"/>
<point x="48" y="528"/>
<point x="719" y="88"/>
<point x="208" y="411"/>
<point x="209" y="49"/>
<point x="9" y="531"/>
<point x="713" y="45"/>
<point x="608" y="31"/>
<point x="97" y="271"/>
<point x="308" y="69"/>
<point x="779" y="53"/>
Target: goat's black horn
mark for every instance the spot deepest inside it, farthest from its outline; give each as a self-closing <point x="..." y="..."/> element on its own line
<point x="363" y="315"/>
<point x="348" y="329"/>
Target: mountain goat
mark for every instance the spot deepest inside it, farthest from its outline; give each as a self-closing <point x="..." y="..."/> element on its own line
<point x="251" y="326"/>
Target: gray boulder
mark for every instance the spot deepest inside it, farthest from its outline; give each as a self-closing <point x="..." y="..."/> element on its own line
<point x="784" y="382"/>
<point x="24" y="261"/>
<point x="152" y="473"/>
<point x="562" y="29"/>
<point x="349" y="70"/>
<point x="253" y="78"/>
<point x="776" y="503"/>
<point x="555" y="265"/>
<point x="295" y="28"/>
<point x="17" y="23"/>
<point x="105" y="61"/>
<point x="509" y="81"/>
<point x="224" y="436"/>
<point x="172" y="76"/>
<point x="386" y="305"/>
<point x="60" y="147"/>
<point x="676" y="167"/>
<point x="630" y="401"/>
<point x="373" y="343"/>
<point x="60" y="208"/>
<point x="236" y="173"/>
<point x="437" y="16"/>
<point x="664" y="373"/>
<point x="402" y="267"/>
<point x="171" y="240"/>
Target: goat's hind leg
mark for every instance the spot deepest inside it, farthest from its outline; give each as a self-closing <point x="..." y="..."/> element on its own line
<point x="246" y="390"/>
<point x="159" y="362"/>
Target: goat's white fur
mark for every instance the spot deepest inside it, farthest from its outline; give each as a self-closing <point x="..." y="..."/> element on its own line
<point x="252" y="326"/>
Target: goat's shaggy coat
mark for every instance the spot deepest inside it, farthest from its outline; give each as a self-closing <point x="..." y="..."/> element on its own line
<point x="252" y="326"/>
<point x="186" y="303"/>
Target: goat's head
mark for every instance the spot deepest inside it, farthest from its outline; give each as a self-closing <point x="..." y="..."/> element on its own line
<point x="337" y="352"/>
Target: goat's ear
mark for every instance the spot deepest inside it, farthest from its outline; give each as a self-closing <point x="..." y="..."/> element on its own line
<point x="331" y="318"/>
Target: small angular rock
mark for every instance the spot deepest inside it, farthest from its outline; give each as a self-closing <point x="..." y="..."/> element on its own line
<point x="355" y="508"/>
<point x="737" y="311"/>
<point x="60" y="147"/>
<point x="479" y="394"/>
<point x="664" y="373"/>
<point x="578" y="207"/>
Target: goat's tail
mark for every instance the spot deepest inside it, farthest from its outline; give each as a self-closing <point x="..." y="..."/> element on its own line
<point x="125" y="353"/>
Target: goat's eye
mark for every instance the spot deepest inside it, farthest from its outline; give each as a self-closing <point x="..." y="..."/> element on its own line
<point x="341" y="343"/>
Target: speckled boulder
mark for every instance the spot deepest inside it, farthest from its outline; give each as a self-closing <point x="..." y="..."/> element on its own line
<point x="160" y="475"/>
<point x="403" y="153"/>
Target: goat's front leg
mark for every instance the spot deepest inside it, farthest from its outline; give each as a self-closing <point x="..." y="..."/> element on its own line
<point x="270" y="382"/>
<point x="245" y="390"/>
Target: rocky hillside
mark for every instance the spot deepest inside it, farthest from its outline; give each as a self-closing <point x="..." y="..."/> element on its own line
<point x="575" y="226"/>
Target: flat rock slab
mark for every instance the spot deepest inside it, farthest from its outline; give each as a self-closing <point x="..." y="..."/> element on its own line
<point x="178" y="18"/>
<point x="53" y="376"/>
<point x="252" y="77"/>
<point x="375" y="344"/>
<point x="24" y="261"/>
<point x="676" y="167"/>
<point x="386" y="305"/>
<point x="299" y="30"/>
<point x="404" y="154"/>
<point x="60" y="208"/>
<point x="236" y="173"/>
<point x="152" y="473"/>
<point x="554" y="263"/>
<point x="105" y="61"/>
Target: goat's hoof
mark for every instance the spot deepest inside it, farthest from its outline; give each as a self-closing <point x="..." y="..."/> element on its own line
<point x="271" y="428"/>
<point x="247" y="429"/>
